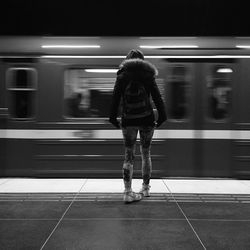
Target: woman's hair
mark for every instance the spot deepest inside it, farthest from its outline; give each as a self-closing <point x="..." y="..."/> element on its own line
<point x="135" y="53"/>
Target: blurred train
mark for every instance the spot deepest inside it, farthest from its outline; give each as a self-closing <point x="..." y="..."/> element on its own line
<point x="55" y="95"/>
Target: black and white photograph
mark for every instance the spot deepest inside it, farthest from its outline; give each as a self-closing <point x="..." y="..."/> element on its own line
<point x="124" y="125"/>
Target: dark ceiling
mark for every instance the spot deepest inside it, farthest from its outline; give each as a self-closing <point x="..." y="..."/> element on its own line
<point x="124" y="18"/>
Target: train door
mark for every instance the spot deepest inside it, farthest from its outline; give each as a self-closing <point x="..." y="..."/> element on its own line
<point x="180" y="95"/>
<point x="214" y="119"/>
<point x="199" y="108"/>
<point x="241" y="121"/>
<point x="20" y="83"/>
<point x="3" y="121"/>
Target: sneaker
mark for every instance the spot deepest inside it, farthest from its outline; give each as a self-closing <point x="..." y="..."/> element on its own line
<point x="145" y="190"/>
<point x="131" y="196"/>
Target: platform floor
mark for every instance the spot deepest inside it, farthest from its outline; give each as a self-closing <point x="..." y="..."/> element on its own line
<point x="74" y="214"/>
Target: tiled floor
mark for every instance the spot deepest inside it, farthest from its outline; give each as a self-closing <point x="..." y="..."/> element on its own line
<point x="89" y="214"/>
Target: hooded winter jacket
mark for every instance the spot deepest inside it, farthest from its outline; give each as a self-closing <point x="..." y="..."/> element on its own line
<point x="145" y="72"/>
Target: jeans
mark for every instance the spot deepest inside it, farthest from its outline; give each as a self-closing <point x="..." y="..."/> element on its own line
<point x="130" y="135"/>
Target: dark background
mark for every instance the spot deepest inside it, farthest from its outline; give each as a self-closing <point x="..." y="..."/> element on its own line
<point x="125" y="18"/>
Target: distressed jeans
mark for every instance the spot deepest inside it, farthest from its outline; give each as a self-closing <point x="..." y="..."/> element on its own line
<point x="130" y="135"/>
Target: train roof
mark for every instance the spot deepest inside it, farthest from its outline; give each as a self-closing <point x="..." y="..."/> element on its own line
<point x="45" y="45"/>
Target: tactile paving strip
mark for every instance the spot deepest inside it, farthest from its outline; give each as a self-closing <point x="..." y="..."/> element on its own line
<point x="99" y="197"/>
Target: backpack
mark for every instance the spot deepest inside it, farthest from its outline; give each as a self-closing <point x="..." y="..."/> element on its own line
<point x="136" y="102"/>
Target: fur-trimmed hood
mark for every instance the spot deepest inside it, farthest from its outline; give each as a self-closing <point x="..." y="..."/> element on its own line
<point x="142" y="72"/>
<point x="137" y="67"/>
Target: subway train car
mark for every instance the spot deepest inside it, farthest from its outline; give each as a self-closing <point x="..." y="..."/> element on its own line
<point x="55" y="95"/>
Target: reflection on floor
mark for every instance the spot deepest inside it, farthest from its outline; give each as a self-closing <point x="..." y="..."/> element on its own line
<point x="90" y="214"/>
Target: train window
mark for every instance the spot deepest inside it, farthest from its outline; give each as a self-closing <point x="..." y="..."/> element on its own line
<point x="219" y="93"/>
<point x="21" y="77"/>
<point x="87" y="93"/>
<point x="20" y="106"/>
<point x="178" y="91"/>
<point x="21" y="85"/>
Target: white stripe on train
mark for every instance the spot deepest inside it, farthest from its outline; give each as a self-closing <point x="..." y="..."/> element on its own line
<point x="146" y="56"/>
<point x="117" y="134"/>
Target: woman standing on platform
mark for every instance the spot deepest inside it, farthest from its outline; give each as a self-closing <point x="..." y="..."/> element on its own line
<point x="135" y="84"/>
